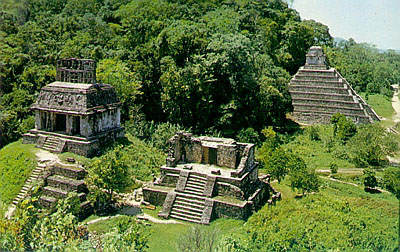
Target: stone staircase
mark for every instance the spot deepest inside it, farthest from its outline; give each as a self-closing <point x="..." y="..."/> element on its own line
<point x="50" y="144"/>
<point x="317" y="94"/>
<point x="63" y="180"/>
<point x="190" y="202"/>
<point x="188" y="207"/>
<point x="35" y="175"/>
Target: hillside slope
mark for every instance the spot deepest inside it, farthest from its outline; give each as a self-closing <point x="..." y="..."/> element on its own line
<point x="17" y="161"/>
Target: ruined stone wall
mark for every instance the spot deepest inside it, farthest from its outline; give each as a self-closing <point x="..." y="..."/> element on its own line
<point x="231" y="210"/>
<point x="227" y="189"/>
<point x="154" y="196"/>
<point x="226" y="156"/>
<point x="193" y="151"/>
<point x="87" y="150"/>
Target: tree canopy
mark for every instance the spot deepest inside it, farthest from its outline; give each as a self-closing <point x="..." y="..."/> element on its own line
<point x="206" y="65"/>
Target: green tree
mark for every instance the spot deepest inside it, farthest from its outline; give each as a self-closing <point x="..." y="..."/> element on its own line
<point x="127" y="85"/>
<point x="343" y="128"/>
<point x="107" y="175"/>
<point x="301" y="177"/>
<point x="371" y="145"/>
<point x="369" y="178"/>
<point x="281" y="162"/>
<point x="391" y="180"/>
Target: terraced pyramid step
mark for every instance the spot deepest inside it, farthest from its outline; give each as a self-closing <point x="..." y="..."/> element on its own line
<point x="335" y="83"/>
<point x="66" y="183"/>
<point x="316" y="77"/>
<point x="321" y="96"/>
<point x="69" y="171"/>
<point x="331" y="102"/>
<point x="327" y="108"/>
<point x="319" y="89"/>
<point x="59" y="193"/>
<point x="47" y="201"/>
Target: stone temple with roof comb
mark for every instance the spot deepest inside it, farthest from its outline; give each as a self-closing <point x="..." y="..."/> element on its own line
<point x="75" y="113"/>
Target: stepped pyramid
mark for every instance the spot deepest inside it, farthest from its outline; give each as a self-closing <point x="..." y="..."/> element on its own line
<point x="318" y="92"/>
<point x="206" y="178"/>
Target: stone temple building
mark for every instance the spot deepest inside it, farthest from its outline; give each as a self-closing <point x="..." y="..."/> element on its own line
<point x="206" y="178"/>
<point x="318" y="92"/>
<point x="75" y="113"/>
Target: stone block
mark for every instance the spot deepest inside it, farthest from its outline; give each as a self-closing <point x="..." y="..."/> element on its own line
<point x="209" y="187"/>
<point x="167" y="206"/>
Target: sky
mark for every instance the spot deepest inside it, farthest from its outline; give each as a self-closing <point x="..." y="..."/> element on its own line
<point x="373" y="21"/>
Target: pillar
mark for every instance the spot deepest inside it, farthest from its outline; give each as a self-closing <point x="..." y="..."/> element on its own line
<point x="51" y="123"/>
<point x="38" y="120"/>
<point x="69" y="124"/>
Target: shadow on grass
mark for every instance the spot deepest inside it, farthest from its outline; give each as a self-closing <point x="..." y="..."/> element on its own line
<point x="372" y="190"/>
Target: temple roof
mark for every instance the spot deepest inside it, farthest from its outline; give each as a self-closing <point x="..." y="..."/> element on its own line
<point x="76" y="98"/>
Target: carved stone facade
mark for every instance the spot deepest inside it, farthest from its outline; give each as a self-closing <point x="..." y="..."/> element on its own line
<point x="204" y="176"/>
<point x="75" y="117"/>
<point x="318" y="92"/>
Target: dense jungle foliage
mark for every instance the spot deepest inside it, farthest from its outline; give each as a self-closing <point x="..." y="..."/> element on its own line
<point x="212" y="66"/>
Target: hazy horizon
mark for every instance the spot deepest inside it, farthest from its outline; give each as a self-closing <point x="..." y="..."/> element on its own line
<point x="370" y="21"/>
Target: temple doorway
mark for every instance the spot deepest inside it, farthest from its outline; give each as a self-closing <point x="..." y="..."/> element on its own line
<point x="209" y="155"/>
<point x="61" y="122"/>
<point x="76" y="125"/>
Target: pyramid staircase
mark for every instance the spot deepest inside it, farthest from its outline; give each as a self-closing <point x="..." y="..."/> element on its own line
<point x="63" y="180"/>
<point x="35" y="175"/>
<point x="318" y="93"/>
<point x="189" y="201"/>
<point x="50" y="144"/>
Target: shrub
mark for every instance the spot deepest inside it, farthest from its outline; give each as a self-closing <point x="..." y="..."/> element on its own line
<point x="198" y="239"/>
<point x="371" y="146"/>
<point x="163" y="133"/>
<point x="391" y="180"/>
<point x="143" y="160"/>
<point x="343" y="128"/>
<point x="333" y="167"/>
<point x="248" y="135"/>
<point x="313" y="133"/>
<point x="369" y="178"/>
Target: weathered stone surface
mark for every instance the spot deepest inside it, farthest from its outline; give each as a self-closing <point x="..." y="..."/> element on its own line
<point x="209" y="187"/>
<point x="155" y="195"/>
<point x="183" y="176"/>
<point x="318" y="92"/>
<point x="167" y="206"/>
<point x="207" y="212"/>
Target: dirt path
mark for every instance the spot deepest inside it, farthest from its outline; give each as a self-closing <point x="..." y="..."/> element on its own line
<point x="142" y="216"/>
<point x="349" y="183"/>
<point x="46" y="156"/>
<point x="396" y="104"/>
<point x="349" y="171"/>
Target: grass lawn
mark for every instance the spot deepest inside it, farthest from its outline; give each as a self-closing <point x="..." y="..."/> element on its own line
<point x="81" y="159"/>
<point x="17" y="161"/>
<point x="382" y="106"/>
